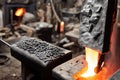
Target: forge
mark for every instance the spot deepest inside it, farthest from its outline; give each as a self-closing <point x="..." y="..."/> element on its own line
<point x="10" y="7"/>
<point x="98" y="34"/>
<point x="46" y="52"/>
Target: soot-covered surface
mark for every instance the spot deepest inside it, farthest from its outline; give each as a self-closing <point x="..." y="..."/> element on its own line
<point x="95" y="24"/>
<point x="40" y="50"/>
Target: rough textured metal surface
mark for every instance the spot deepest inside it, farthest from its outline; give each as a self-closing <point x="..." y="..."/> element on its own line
<point x="116" y="75"/>
<point x="93" y="24"/>
<point x="39" y="49"/>
<point x="67" y="69"/>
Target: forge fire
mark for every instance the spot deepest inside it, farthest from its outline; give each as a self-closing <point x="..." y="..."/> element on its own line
<point x="59" y="40"/>
<point x="89" y="70"/>
<point x="20" y="12"/>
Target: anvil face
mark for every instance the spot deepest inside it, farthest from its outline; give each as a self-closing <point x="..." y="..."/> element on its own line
<point x="96" y="21"/>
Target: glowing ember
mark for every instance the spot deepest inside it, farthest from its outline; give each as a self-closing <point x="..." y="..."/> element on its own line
<point x="20" y="12"/>
<point x="62" y="26"/>
<point x="88" y="72"/>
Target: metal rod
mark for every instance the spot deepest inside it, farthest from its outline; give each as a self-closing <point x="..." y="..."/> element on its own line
<point x="5" y="43"/>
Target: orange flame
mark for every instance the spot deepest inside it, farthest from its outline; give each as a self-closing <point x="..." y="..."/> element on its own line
<point x="20" y="12"/>
<point x="92" y="59"/>
<point x="88" y="72"/>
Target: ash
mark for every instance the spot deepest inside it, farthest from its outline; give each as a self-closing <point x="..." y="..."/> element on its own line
<point x="44" y="51"/>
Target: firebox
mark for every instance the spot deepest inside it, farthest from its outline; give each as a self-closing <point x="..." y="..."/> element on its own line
<point x="10" y="7"/>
